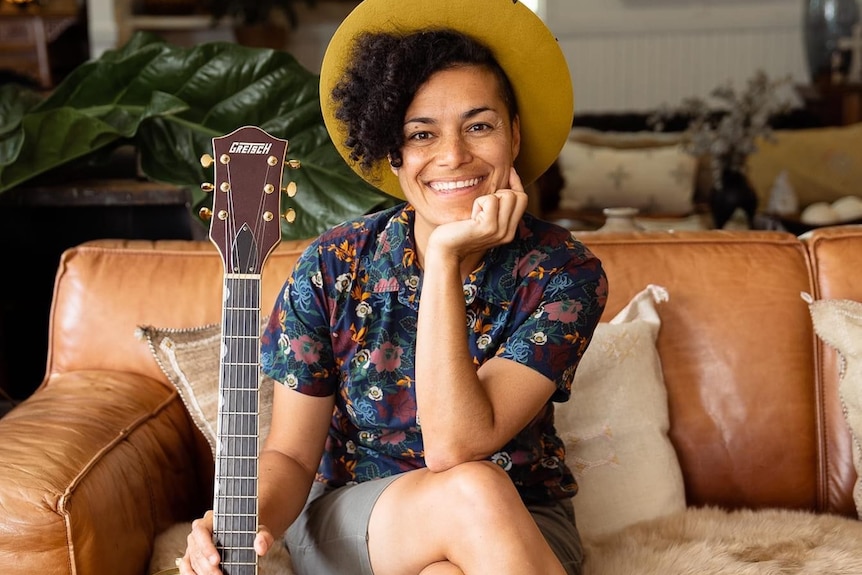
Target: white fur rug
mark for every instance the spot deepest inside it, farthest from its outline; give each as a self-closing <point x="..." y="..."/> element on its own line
<point x="695" y="542"/>
<point x="714" y="542"/>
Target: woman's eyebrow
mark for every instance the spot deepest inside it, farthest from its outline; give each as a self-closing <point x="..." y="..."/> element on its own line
<point x="466" y="115"/>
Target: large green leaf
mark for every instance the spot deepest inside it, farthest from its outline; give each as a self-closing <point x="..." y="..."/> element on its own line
<point x="169" y="102"/>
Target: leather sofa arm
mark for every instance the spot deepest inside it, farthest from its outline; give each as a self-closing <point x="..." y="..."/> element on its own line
<point x="95" y="464"/>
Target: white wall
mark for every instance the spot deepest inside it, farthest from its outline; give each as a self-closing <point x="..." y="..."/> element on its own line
<point x="624" y="55"/>
<point x="629" y="55"/>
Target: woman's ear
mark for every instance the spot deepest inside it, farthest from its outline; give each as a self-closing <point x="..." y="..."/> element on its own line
<point x="392" y="165"/>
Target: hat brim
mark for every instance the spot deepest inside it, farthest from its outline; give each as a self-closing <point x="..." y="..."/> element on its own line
<point x="523" y="45"/>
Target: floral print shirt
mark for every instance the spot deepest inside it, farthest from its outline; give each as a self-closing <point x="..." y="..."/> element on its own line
<point x="345" y="324"/>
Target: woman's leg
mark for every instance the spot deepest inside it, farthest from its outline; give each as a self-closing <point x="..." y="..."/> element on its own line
<point x="469" y="519"/>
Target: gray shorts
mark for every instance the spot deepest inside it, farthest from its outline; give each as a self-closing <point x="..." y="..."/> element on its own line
<point x="330" y="535"/>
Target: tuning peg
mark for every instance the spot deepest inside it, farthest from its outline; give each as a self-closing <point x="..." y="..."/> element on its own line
<point x="205" y="214"/>
<point x="293" y="164"/>
<point x="290" y="189"/>
<point x="206" y="160"/>
<point x="207" y="187"/>
<point x="290" y="215"/>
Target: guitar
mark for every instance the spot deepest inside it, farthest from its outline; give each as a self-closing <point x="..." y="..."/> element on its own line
<point x="245" y="227"/>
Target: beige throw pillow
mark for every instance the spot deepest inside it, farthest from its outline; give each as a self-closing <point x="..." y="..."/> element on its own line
<point x="657" y="180"/>
<point x="838" y="322"/>
<point x="615" y="425"/>
<point x="190" y="360"/>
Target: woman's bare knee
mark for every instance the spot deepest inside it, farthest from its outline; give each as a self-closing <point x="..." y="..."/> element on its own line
<point x="481" y="487"/>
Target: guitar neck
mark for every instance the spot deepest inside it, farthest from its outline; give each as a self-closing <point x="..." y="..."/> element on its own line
<point x="245" y="227"/>
<point x="236" y="472"/>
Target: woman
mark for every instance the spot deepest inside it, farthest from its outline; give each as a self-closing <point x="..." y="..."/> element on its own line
<point x="401" y="442"/>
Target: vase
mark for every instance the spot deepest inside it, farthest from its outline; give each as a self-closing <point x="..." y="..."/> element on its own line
<point x="620" y="220"/>
<point x="824" y="23"/>
<point x="734" y="193"/>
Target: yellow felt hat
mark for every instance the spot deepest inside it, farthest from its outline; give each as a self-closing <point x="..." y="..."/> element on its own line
<point x="523" y="45"/>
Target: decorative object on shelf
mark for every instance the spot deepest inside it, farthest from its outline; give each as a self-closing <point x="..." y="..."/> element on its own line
<point x="853" y="44"/>
<point x="782" y="197"/>
<point x="620" y="220"/>
<point x="724" y="130"/>
<point x="736" y="192"/>
<point x="259" y="23"/>
<point x="824" y="23"/>
<point x="842" y="211"/>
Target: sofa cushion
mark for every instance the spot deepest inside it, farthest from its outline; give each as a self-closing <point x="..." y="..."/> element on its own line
<point x="838" y="322"/>
<point x="615" y="424"/>
<point x="190" y="360"/>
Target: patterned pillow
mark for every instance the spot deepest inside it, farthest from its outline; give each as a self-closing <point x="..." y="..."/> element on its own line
<point x="838" y="322"/>
<point x="615" y="425"/>
<point x="657" y="180"/>
<point x="190" y="360"/>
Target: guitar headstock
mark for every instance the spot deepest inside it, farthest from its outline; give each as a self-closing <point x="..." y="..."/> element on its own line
<point x="245" y="221"/>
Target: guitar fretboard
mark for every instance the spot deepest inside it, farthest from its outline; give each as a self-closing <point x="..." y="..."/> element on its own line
<point x="235" y="500"/>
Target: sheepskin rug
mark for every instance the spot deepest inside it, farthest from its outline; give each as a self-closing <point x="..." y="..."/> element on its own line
<point x="697" y="541"/>
<point x="710" y="541"/>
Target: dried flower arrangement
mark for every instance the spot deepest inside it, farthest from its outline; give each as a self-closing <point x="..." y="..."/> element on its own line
<point x="725" y="129"/>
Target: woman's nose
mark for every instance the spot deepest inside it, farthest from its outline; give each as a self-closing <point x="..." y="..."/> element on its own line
<point x="453" y="150"/>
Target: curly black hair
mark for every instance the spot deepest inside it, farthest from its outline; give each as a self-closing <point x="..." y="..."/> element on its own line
<point x="383" y="76"/>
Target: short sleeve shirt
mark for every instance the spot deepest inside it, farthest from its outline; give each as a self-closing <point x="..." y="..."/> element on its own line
<point x="345" y="322"/>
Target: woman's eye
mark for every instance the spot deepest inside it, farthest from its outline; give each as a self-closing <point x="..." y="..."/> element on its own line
<point x="419" y="136"/>
<point x="479" y="127"/>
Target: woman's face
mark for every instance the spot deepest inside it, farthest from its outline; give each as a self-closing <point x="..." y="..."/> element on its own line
<point x="459" y="144"/>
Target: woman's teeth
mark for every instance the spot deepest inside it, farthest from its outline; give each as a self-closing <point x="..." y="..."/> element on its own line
<point x="446" y="186"/>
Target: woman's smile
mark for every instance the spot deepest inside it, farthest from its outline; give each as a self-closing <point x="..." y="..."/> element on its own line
<point x="454" y="186"/>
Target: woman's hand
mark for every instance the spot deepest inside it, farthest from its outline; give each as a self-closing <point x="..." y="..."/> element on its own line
<point x="493" y="222"/>
<point x="202" y="558"/>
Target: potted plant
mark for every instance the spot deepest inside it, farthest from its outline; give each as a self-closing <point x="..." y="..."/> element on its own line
<point x="261" y="23"/>
<point x="167" y="103"/>
<point x="725" y="129"/>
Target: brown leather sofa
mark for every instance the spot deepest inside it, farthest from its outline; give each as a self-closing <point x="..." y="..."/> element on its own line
<point x="104" y="456"/>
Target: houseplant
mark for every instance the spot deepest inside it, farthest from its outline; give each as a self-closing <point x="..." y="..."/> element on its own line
<point x="168" y="102"/>
<point x="724" y="129"/>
